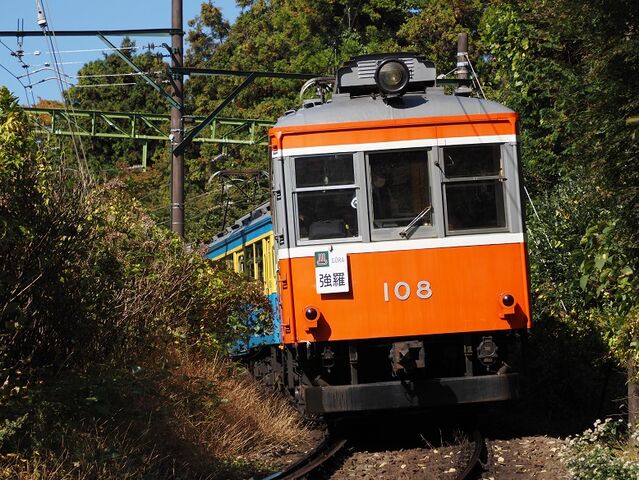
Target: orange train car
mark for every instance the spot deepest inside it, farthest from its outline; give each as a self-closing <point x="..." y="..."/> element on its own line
<point x="402" y="273"/>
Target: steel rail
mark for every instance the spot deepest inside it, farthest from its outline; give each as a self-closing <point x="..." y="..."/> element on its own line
<point x="475" y="459"/>
<point x="311" y="462"/>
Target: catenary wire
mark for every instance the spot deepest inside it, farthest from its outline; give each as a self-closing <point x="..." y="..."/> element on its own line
<point x="100" y="85"/>
<point x="76" y="140"/>
<point x="475" y="77"/>
<point x="86" y="50"/>
<point x="19" y="81"/>
<point x="28" y="89"/>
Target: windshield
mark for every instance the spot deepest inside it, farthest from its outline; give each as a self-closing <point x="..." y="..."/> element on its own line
<point x="400" y="188"/>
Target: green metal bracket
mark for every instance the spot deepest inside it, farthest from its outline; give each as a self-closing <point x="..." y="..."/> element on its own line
<point x="250" y="76"/>
<point x="148" y="79"/>
<point x="146" y="126"/>
<point x="195" y="130"/>
<point x="145" y="150"/>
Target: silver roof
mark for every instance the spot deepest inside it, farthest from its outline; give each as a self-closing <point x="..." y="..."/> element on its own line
<point x="366" y="108"/>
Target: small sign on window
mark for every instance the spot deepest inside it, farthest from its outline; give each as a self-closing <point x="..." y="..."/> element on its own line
<point x="331" y="272"/>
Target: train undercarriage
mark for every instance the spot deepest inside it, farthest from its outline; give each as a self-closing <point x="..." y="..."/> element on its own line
<point x="385" y="374"/>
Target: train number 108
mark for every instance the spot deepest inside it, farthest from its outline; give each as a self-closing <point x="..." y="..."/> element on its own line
<point x="402" y="290"/>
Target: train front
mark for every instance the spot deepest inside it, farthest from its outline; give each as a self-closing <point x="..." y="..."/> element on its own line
<point x="398" y="225"/>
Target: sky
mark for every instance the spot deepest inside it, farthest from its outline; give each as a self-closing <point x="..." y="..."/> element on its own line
<point x="80" y="15"/>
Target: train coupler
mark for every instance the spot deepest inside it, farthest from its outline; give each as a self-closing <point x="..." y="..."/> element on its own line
<point x="407" y="356"/>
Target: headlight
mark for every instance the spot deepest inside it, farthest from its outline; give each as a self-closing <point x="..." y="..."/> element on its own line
<point x="392" y="77"/>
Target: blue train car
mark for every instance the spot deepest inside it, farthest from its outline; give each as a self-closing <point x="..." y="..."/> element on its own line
<point x="246" y="247"/>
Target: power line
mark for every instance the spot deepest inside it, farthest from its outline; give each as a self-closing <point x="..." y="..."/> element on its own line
<point x="127" y="74"/>
<point x="19" y="81"/>
<point x="97" y="85"/>
<point x="47" y="64"/>
<point x="97" y="75"/>
<point x="28" y="89"/>
<point x="75" y="139"/>
<point x="150" y="46"/>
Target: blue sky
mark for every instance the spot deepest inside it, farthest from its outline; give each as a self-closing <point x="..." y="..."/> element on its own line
<point x="82" y="15"/>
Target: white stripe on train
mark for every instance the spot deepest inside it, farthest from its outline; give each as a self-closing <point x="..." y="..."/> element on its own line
<point x="426" y="142"/>
<point x="401" y="245"/>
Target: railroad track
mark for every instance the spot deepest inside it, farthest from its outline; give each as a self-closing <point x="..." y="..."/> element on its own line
<point x="308" y="466"/>
<point x="475" y="463"/>
<point x="311" y="462"/>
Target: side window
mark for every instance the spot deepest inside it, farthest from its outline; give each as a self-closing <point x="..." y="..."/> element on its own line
<point x="249" y="261"/>
<point x="473" y="188"/>
<point x="325" y="193"/>
<point x="239" y="262"/>
<point x="259" y="261"/>
<point x="400" y="190"/>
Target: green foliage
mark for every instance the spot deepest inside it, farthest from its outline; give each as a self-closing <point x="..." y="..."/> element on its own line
<point x="610" y="282"/>
<point x="209" y="29"/>
<point x="608" y="271"/>
<point x="108" y="158"/>
<point x="91" y="279"/>
<point x="601" y="453"/>
<point x="104" y="155"/>
<point x="528" y="68"/>
<point x="569" y="69"/>
<point x="13" y="141"/>
<point x="432" y="27"/>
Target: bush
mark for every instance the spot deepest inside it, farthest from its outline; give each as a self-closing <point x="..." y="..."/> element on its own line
<point x="601" y="453"/>
<point x="89" y="278"/>
<point x="103" y="318"/>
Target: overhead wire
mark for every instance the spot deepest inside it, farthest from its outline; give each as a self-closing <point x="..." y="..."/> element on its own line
<point x="47" y="64"/>
<point x="101" y="85"/>
<point x="102" y="49"/>
<point x="125" y="74"/>
<point x="76" y="140"/>
<point x="28" y="89"/>
<point x="475" y="77"/>
<point x="19" y="81"/>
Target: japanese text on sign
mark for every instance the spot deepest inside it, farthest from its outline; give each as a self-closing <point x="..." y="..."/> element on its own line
<point x="331" y="272"/>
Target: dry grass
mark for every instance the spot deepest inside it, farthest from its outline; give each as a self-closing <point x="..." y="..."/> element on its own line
<point x="200" y="420"/>
<point x="244" y="418"/>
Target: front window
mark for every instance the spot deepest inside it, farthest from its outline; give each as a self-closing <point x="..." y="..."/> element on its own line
<point x="400" y="191"/>
<point x="326" y="197"/>
<point x="473" y="188"/>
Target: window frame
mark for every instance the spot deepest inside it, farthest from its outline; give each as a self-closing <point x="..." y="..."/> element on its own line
<point x="294" y="191"/>
<point x="392" y="233"/>
<point x="501" y="178"/>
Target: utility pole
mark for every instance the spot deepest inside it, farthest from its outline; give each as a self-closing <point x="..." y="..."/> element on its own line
<point x="177" y="120"/>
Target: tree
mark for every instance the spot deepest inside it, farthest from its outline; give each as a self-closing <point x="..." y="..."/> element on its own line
<point x="298" y="36"/>
<point x="570" y="69"/>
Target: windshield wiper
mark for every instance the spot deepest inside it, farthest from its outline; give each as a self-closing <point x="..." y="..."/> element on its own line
<point x="420" y="215"/>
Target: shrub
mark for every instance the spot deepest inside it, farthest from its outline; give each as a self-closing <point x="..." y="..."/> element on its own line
<point x="102" y="313"/>
<point x="89" y="278"/>
<point x="601" y="453"/>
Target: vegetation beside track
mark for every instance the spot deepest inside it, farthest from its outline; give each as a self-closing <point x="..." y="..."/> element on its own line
<point x="110" y="334"/>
